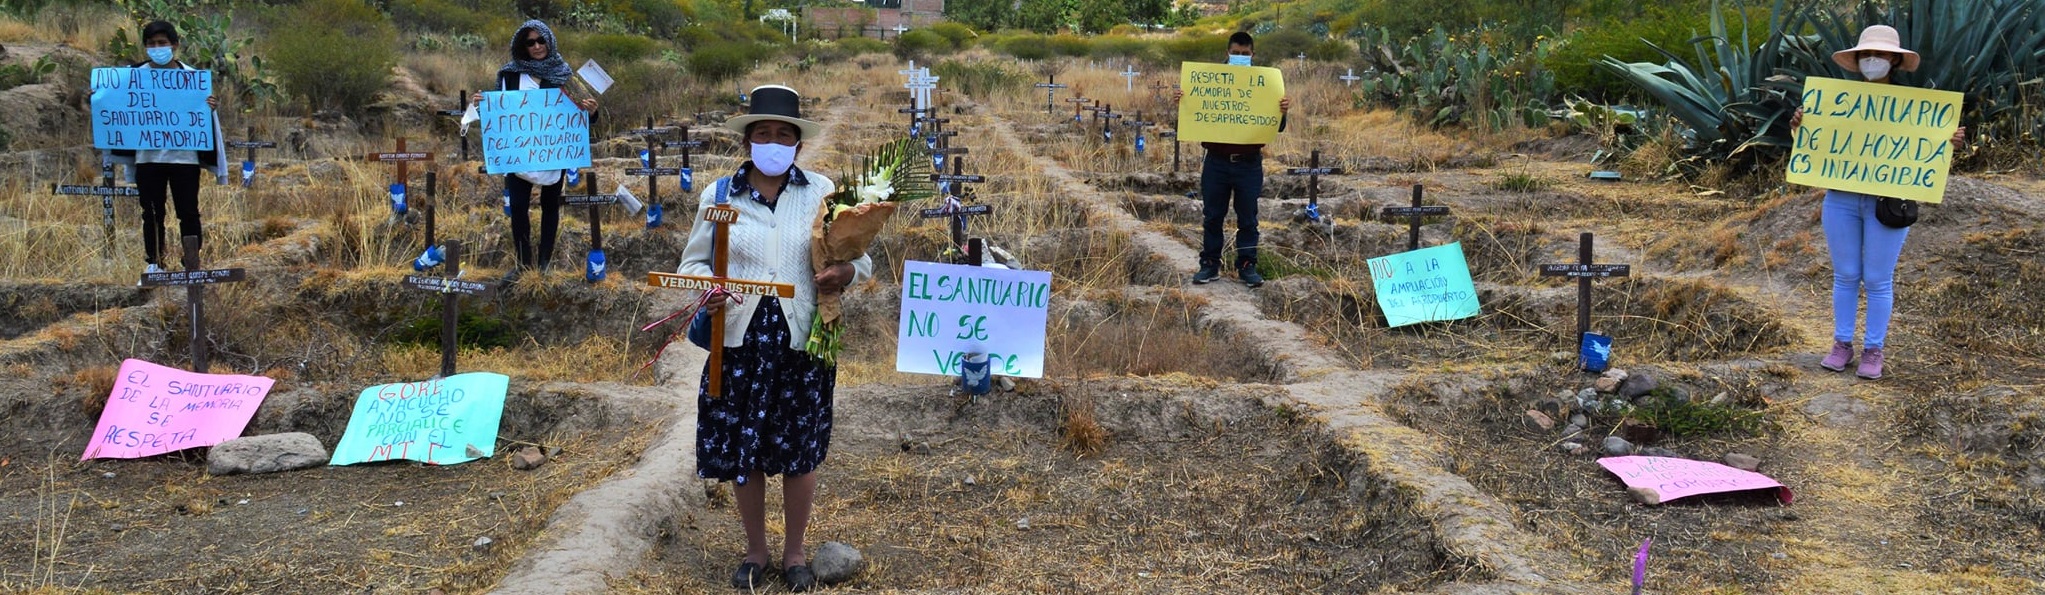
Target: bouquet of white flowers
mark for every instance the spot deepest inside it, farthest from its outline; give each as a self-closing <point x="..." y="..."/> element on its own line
<point x="895" y="172"/>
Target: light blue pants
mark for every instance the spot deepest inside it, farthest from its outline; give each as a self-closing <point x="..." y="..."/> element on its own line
<point x="1864" y="254"/>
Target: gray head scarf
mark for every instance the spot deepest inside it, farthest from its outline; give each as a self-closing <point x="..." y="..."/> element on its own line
<point x="551" y="70"/>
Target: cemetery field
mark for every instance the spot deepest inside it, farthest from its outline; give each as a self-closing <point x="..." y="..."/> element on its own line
<point x="1184" y="438"/>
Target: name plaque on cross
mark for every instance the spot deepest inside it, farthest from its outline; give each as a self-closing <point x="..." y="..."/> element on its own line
<point x="190" y="278"/>
<point x="654" y="171"/>
<point x="90" y="190"/>
<point x="1596" y="271"/>
<point x="975" y="210"/>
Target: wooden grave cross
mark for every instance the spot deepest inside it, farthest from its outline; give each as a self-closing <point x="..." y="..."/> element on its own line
<point x="404" y="160"/>
<point x="1174" y="135"/>
<point x="194" y="280"/>
<point x="593" y="199"/>
<point x="106" y="191"/>
<point x="1139" y="124"/>
<point x="1313" y="171"/>
<point x="461" y="102"/>
<point x="450" y="288"/>
<point x="688" y="173"/>
<point x="1050" y="87"/>
<point x="1129" y="75"/>
<point x="1584" y="272"/>
<point x="649" y="167"/>
<point x="721" y="217"/>
<point x="1108" y="118"/>
<point x="1157" y="89"/>
<point x="1078" y="103"/>
<point x="428" y="259"/>
<point x="248" y="165"/>
<point x="1351" y="78"/>
<point x="1413" y="215"/>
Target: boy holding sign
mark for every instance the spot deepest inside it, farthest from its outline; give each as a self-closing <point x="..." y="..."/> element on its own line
<point x="1865" y="242"/>
<point x="156" y="172"/>
<point x="1233" y="174"/>
<point x="535" y="64"/>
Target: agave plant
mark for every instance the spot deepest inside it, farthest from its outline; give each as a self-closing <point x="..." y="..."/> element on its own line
<point x="1735" y="101"/>
<point x="1454" y="80"/>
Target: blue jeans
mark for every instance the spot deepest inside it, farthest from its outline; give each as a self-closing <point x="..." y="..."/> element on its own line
<point x="1864" y="254"/>
<point x="1224" y="184"/>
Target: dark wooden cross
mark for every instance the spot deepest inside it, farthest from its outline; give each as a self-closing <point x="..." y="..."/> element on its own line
<point x="945" y="181"/>
<point x="915" y="116"/>
<point x="721" y="217"/>
<point x="593" y="199"/>
<point x="649" y="166"/>
<point x="404" y="160"/>
<point x="1413" y="215"/>
<point x="451" y="288"/>
<point x="1050" y="87"/>
<point x="194" y="280"/>
<point x="106" y="191"/>
<point x="688" y="172"/>
<point x="1078" y="103"/>
<point x="1313" y="171"/>
<point x="1584" y="271"/>
<point x="1108" y="118"/>
<point x="248" y="165"/>
<point x="1139" y="124"/>
<point x="461" y="102"/>
<point x="1157" y="89"/>
<point x="428" y="259"/>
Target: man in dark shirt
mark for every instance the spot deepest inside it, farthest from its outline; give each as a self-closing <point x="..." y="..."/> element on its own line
<point x="1233" y="175"/>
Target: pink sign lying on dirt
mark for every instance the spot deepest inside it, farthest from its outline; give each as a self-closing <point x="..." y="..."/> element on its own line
<point x="154" y="410"/>
<point x="1660" y="479"/>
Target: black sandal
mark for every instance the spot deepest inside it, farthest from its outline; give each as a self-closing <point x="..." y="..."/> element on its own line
<point x="749" y="576"/>
<point x="799" y="578"/>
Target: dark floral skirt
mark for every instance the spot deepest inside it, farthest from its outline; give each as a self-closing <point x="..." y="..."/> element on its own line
<point x="775" y="415"/>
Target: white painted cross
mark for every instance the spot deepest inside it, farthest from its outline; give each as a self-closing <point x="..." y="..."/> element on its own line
<point x="1350" y="79"/>
<point x="1129" y="75"/>
<point x="919" y="86"/>
<point x="899" y="29"/>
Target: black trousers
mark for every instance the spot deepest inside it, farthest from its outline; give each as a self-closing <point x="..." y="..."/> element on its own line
<point x="182" y="183"/>
<point x="521" y="220"/>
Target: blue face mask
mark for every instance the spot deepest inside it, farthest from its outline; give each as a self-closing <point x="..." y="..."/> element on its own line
<point x="1234" y="60"/>
<point x="159" y="55"/>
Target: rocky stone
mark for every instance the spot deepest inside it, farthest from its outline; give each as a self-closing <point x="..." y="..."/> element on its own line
<point x="836" y="562"/>
<point x="1742" y="462"/>
<point x="1555" y="408"/>
<point x="1571" y="431"/>
<point x="970" y="481"/>
<point x="1637" y="385"/>
<point x="1539" y="420"/>
<point x="1586" y="397"/>
<point x="1718" y="399"/>
<point x="1569" y="447"/>
<point x="266" y="454"/>
<point x="482" y="544"/>
<point x="1607" y="384"/>
<point x="1614" y="373"/>
<point x="1656" y="451"/>
<point x="528" y="458"/>
<point x="1022" y="524"/>
<point x="1579" y="420"/>
<point x="1617" y="446"/>
<point x="1838" y="409"/>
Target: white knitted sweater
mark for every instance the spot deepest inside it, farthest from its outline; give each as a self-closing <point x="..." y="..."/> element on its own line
<point x="768" y="245"/>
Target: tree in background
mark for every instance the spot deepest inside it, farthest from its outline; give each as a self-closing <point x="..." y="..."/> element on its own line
<point x="985" y="16"/>
<point x="1044" y="16"/>
<point x="336" y="54"/>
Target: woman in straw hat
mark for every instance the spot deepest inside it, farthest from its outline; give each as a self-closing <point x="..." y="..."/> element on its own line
<point x="1864" y="250"/>
<point x="774" y="417"/>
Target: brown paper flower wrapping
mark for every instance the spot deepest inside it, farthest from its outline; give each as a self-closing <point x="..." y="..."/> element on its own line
<point x="844" y="240"/>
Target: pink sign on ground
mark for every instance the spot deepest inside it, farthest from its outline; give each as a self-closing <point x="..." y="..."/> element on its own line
<point x="1660" y="479"/>
<point x="154" y="410"/>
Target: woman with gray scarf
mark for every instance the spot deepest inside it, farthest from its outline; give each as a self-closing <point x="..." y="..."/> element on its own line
<point x="536" y="63"/>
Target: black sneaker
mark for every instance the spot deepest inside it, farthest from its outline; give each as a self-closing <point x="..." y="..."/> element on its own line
<point x="1209" y="271"/>
<point x="1248" y="274"/>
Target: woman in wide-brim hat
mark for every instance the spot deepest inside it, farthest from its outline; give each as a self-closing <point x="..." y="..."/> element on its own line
<point x="774" y="417"/>
<point x="1864" y="251"/>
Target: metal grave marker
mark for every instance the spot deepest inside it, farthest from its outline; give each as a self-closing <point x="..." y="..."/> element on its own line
<point x="1129" y="75"/>
<point x="194" y="280"/>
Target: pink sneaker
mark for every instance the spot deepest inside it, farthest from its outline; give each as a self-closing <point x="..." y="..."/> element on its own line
<point x="1870" y="364"/>
<point x="1841" y="352"/>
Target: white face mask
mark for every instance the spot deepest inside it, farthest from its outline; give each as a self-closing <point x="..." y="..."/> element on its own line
<point x="1235" y="60"/>
<point x="1874" y="68"/>
<point x="773" y="159"/>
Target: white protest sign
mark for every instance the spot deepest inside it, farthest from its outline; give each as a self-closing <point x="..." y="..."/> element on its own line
<point x="951" y="310"/>
<point x="594" y="74"/>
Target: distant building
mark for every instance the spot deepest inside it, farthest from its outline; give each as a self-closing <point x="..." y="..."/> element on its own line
<point x="876" y="18"/>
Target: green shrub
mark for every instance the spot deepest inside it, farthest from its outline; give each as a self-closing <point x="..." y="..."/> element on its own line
<point x="645" y="89"/>
<point x="1026" y="47"/>
<point x="1331" y="50"/>
<point x="960" y="36"/>
<point x="862" y="45"/>
<point x="920" y="43"/>
<point x="1283" y="44"/>
<point x="979" y="79"/>
<point x="724" y="60"/>
<point x="1574" y="61"/>
<point x="437" y="15"/>
<point x="15" y="75"/>
<point x="1201" y="48"/>
<point x="696" y="36"/>
<point x="334" y="53"/>
<point x="612" y="48"/>
<point x="1124" y="47"/>
<point x="1066" y="44"/>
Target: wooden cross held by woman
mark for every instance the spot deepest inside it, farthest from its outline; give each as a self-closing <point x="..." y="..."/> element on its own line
<point x="720" y="218"/>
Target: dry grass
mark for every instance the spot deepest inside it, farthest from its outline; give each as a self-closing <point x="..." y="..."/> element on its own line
<point x="80" y="25"/>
